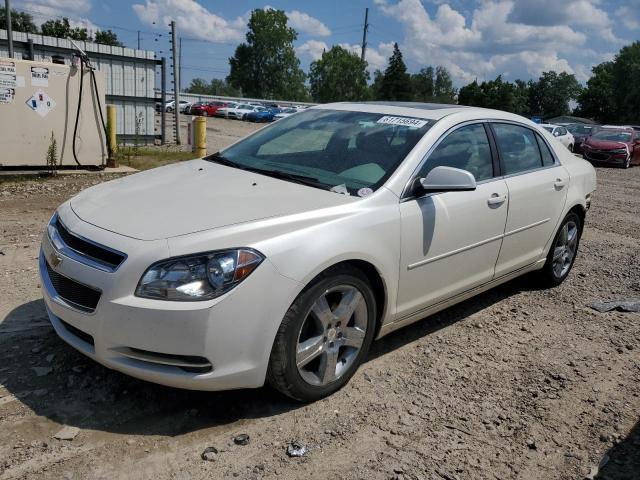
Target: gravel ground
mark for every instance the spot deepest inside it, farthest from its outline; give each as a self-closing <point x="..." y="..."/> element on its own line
<point x="516" y="383"/>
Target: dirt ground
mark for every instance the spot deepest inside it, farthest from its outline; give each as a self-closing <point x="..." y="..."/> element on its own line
<point x="516" y="383"/>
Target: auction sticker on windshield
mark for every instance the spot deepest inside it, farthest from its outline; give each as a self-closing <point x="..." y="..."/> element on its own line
<point x="405" y="121"/>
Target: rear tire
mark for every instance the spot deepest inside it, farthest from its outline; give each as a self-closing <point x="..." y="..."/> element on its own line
<point x="562" y="253"/>
<point x="324" y="336"/>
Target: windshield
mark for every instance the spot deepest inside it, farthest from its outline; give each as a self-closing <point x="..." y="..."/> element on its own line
<point x="347" y="150"/>
<point x="612" y="135"/>
<point x="580" y="129"/>
<point x="548" y="129"/>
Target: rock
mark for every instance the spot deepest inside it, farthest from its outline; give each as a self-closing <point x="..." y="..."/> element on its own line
<point x="258" y="468"/>
<point x="67" y="433"/>
<point x="131" y="441"/>
<point x="296" y="449"/>
<point x="531" y="444"/>
<point x="209" y="454"/>
<point x="242" y="439"/>
<point x="42" y="371"/>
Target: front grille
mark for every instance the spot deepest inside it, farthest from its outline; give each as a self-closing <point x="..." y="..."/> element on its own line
<point x="600" y="156"/>
<point x="76" y="294"/>
<point x="98" y="253"/>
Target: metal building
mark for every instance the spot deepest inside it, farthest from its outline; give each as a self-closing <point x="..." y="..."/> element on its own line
<point x="130" y="77"/>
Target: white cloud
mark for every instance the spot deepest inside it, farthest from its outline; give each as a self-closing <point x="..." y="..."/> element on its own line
<point x="191" y="18"/>
<point x="312" y="49"/>
<point x="305" y="23"/>
<point x="74" y="10"/>
<point x="515" y="38"/>
<point x="629" y="14"/>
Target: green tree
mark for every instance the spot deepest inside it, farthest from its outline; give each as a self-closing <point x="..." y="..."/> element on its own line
<point x="423" y="85"/>
<point x="215" y="87"/>
<point x="551" y="94"/>
<point x="107" y="37"/>
<point x="471" y="95"/>
<point x="374" y="88"/>
<point x="443" y="91"/>
<point x="338" y="75"/>
<point x="20" y="21"/>
<point x="625" y="86"/>
<point x="396" y="82"/>
<point x="266" y="65"/>
<point x="62" y="29"/>
<point x="521" y="98"/>
<point x="597" y="100"/>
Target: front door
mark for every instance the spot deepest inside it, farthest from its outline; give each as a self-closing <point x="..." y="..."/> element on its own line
<point x="450" y="241"/>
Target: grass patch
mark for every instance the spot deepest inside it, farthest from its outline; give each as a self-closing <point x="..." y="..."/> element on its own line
<point x="144" y="158"/>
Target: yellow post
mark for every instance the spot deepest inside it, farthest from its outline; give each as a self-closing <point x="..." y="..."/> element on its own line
<point x="200" y="136"/>
<point x="112" y="161"/>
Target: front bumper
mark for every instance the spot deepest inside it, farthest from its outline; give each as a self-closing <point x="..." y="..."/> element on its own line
<point x="603" y="156"/>
<point x="218" y="344"/>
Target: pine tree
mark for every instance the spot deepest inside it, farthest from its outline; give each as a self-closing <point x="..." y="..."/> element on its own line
<point x="396" y="82"/>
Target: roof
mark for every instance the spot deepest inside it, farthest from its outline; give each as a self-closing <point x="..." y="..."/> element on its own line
<point x="570" y="119"/>
<point x="432" y="111"/>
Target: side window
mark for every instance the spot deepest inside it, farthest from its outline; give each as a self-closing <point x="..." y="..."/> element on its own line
<point x="466" y="148"/>
<point x="518" y="148"/>
<point x="547" y="157"/>
<point x="563" y="131"/>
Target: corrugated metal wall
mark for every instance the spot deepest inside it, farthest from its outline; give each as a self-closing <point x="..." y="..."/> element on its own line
<point x="130" y="77"/>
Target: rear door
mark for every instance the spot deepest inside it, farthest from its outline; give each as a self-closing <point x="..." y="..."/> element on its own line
<point x="537" y="185"/>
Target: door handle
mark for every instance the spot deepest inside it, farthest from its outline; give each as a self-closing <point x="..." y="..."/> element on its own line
<point x="560" y="183"/>
<point x="496" y="199"/>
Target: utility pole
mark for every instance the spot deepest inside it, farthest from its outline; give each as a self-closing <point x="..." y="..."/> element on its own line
<point x="180" y="65"/>
<point x="7" y="8"/>
<point x="176" y="82"/>
<point x="364" y="33"/>
<point x="138" y="39"/>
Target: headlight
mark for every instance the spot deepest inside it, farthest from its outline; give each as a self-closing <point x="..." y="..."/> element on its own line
<point x="198" y="277"/>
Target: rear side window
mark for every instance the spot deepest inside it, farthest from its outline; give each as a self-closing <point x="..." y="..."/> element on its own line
<point x="466" y="148"/>
<point x="518" y="148"/>
<point x="547" y="157"/>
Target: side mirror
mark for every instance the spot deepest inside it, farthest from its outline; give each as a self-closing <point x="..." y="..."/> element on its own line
<point x="556" y="133"/>
<point x="447" y="179"/>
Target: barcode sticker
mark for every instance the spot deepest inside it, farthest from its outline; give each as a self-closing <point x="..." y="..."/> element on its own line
<point x="405" y="121"/>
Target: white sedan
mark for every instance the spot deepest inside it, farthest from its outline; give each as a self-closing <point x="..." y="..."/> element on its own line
<point x="240" y="111"/>
<point x="564" y="136"/>
<point x="282" y="257"/>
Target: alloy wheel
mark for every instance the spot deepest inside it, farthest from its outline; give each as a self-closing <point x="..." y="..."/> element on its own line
<point x="331" y="335"/>
<point x="565" y="249"/>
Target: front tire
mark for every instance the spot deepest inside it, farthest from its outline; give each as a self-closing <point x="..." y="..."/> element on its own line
<point x="324" y="336"/>
<point x="563" y="251"/>
<point x="627" y="162"/>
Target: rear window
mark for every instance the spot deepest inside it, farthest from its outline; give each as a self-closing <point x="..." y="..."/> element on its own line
<point x="518" y="148"/>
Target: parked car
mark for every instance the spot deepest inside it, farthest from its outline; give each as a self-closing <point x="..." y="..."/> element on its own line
<point x="265" y="115"/>
<point x="580" y="132"/>
<point x="561" y="134"/>
<point x="241" y="111"/>
<point x="169" y="107"/>
<point x="208" y="109"/>
<point x="290" y="251"/>
<point x="188" y="110"/>
<point x="285" y="112"/>
<point x="224" y="111"/>
<point x="613" y="145"/>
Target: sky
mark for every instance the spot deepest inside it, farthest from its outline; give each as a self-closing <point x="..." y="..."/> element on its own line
<point x="473" y="39"/>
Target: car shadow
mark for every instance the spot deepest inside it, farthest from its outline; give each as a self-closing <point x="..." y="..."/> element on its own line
<point x="59" y="383"/>
<point x="622" y="461"/>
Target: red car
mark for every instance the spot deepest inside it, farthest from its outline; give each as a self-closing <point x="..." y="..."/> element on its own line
<point x="614" y="146"/>
<point x="207" y="109"/>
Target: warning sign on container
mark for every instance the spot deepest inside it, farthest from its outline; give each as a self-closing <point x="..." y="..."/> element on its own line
<point x="41" y="103"/>
<point x="39" y="76"/>
<point x="7" y="73"/>
<point x="7" y="95"/>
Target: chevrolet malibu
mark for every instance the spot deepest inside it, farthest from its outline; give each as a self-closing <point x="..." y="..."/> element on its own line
<point x="282" y="257"/>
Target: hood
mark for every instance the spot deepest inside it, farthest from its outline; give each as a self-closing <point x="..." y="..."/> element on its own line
<point x="605" y="144"/>
<point x="194" y="196"/>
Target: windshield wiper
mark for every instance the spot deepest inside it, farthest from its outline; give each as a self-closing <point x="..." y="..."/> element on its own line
<point x="218" y="158"/>
<point x="302" y="179"/>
